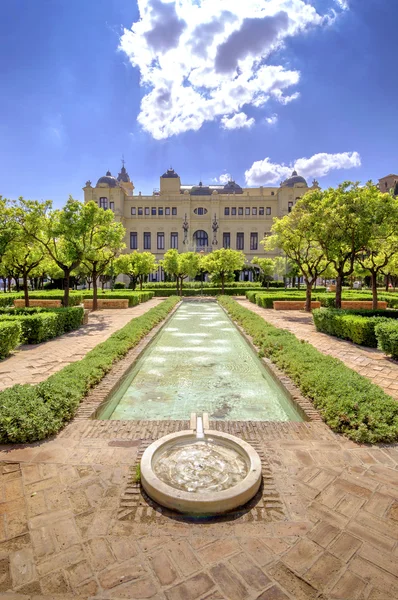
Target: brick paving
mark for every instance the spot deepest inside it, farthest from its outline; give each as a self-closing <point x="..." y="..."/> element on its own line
<point x="369" y="362"/>
<point x="34" y="363"/>
<point x="61" y="535"/>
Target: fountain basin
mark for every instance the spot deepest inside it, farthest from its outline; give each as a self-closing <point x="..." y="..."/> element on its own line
<point x="206" y="476"/>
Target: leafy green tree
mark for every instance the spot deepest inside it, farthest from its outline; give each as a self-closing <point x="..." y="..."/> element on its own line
<point x="137" y="265"/>
<point x="223" y="263"/>
<point x="181" y="266"/>
<point x="104" y="240"/>
<point x="381" y="216"/>
<point x="8" y="227"/>
<point x="266" y="267"/>
<point x="294" y="235"/>
<point x="24" y="255"/>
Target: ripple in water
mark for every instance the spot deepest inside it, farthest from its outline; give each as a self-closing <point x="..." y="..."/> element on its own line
<point x="200" y="466"/>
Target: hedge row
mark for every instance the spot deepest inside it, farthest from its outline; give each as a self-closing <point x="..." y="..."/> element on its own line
<point x="356" y="328"/>
<point x="215" y="291"/>
<point x="37" y="326"/>
<point x="33" y="412"/>
<point x="10" y="333"/>
<point x="134" y="298"/>
<point x="153" y="285"/>
<point x="328" y="299"/>
<point x="75" y="298"/>
<point x="349" y="403"/>
<point x="387" y="337"/>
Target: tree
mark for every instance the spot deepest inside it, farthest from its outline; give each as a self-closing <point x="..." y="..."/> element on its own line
<point x="382" y="240"/>
<point x="266" y="267"/>
<point x="223" y="263"/>
<point x="294" y="235"/>
<point x="7" y="226"/>
<point x="23" y="255"/>
<point x="137" y="265"/>
<point x="181" y="266"/>
<point x="340" y="225"/>
<point x="104" y="240"/>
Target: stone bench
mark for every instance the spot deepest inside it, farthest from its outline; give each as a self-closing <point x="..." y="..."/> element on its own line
<point x="293" y="304"/>
<point x="107" y="303"/>
<point x="358" y="304"/>
<point x="41" y="303"/>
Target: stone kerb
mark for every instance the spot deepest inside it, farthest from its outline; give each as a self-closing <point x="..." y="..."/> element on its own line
<point x="40" y="303"/>
<point x="107" y="303"/>
<point x="294" y="304"/>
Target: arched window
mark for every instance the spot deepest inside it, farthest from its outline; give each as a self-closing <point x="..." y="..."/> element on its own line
<point x="103" y="203"/>
<point x="200" y="239"/>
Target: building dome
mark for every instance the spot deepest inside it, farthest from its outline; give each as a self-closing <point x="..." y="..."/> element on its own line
<point x="170" y="173"/>
<point x="232" y="188"/>
<point x="108" y="179"/>
<point x="291" y="181"/>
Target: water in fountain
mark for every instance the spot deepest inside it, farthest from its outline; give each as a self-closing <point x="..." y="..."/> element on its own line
<point x="200" y="466"/>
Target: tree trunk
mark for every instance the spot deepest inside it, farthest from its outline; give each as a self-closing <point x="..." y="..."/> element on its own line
<point x="95" y="290"/>
<point x="25" y="289"/>
<point x="181" y="282"/>
<point x="4" y="284"/>
<point x="373" y="279"/>
<point x="222" y="283"/>
<point x="339" y="285"/>
<point x="178" y="285"/>
<point x="66" y="289"/>
<point x="298" y="282"/>
<point x="9" y="283"/>
<point x="387" y="283"/>
<point x="308" y="294"/>
<point x="141" y="283"/>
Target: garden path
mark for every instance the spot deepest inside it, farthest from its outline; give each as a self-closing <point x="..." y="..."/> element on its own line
<point x="369" y="362"/>
<point x="32" y="364"/>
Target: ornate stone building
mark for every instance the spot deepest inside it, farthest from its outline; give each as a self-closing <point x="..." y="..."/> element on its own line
<point x="195" y="217"/>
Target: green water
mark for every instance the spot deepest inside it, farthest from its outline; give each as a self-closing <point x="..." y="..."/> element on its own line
<point x="199" y="362"/>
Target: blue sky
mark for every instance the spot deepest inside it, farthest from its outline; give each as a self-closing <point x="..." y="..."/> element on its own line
<point x="285" y="83"/>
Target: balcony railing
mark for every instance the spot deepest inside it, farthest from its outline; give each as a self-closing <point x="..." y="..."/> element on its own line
<point x="197" y="248"/>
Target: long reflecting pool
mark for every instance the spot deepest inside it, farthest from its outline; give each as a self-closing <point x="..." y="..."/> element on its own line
<point x="199" y="362"/>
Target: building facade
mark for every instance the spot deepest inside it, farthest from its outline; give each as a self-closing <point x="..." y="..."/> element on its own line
<point x="197" y="218"/>
<point x="389" y="182"/>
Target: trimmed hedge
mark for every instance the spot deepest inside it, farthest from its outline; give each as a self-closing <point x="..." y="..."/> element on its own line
<point x="10" y="333"/>
<point x="387" y="337"/>
<point x="40" y="325"/>
<point x="206" y="284"/>
<point x="349" y="403"/>
<point x="209" y="291"/>
<point x="356" y="328"/>
<point x="327" y="299"/>
<point x="34" y="412"/>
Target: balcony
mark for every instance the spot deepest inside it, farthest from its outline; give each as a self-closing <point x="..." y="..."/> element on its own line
<point x="197" y="248"/>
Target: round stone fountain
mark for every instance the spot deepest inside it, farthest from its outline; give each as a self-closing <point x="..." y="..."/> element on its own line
<point x="200" y="471"/>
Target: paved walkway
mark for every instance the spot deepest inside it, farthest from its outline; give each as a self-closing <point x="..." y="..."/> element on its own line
<point x="34" y="363"/>
<point x="325" y="526"/>
<point x="369" y="362"/>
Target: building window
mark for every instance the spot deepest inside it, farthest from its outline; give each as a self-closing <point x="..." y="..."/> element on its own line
<point x="289" y="206"/>
<point x="134" y="211"/>
<point x="140" y="211"/>
<point x="226" y="211"/>
<point x="226" y="240"/>
<point x="160" y="211"/>
<point x="240" y="210"/>
<point x="233" y="211"/>
<point x="167" y="211"/>
<point x="103" y="203"/>
<point x="112" y="205"/>
<point x="153" y="211"/>
<point x="174" y="240"/>
<point x="133" y="240"/>
<point x="254" y="211"/>
<point x="240" y="241"/>
<point x="272" y="193"/>
<point x="200" y="211"/>
<point x="261" y="210"/>
<point x="174" y="211"/>
<point x="147" y="240"/>
<point x="268" y="210"/>
<point x="146" y="211"/>
<point x="247" y="211"/>
<point x="254" y="241"/>
<point x="160" y="241"/>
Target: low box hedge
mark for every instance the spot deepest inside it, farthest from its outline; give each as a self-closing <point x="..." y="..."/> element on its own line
<point x="359" y="329"/>
<point x="10" y="333"/>
<point x="387" y="337"/>
<point x="208" y="291"/>
<point x="349" y="403"/>
<point x="134" y="298"/>
<point x="34" y="412"/>
<point x="38" y="325"/>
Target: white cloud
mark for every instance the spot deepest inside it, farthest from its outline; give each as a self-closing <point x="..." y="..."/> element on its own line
<point x="238" y="121"/>
<point x="223" y="179"/>
<point x="264" y="172"/>
<point x="204" y="60"/>
<point x="272" y="120"/>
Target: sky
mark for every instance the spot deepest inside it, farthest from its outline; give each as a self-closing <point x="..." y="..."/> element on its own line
<point x="216" y="89"/>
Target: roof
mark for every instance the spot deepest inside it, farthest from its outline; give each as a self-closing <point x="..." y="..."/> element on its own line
<point x="206" y="190"/>
<point x="170" y="173"/>
<point x="108" y="179"/>
<point x="293" y="180"/>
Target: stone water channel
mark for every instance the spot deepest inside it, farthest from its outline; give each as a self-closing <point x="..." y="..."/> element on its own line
<point x="200" y="362"/>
